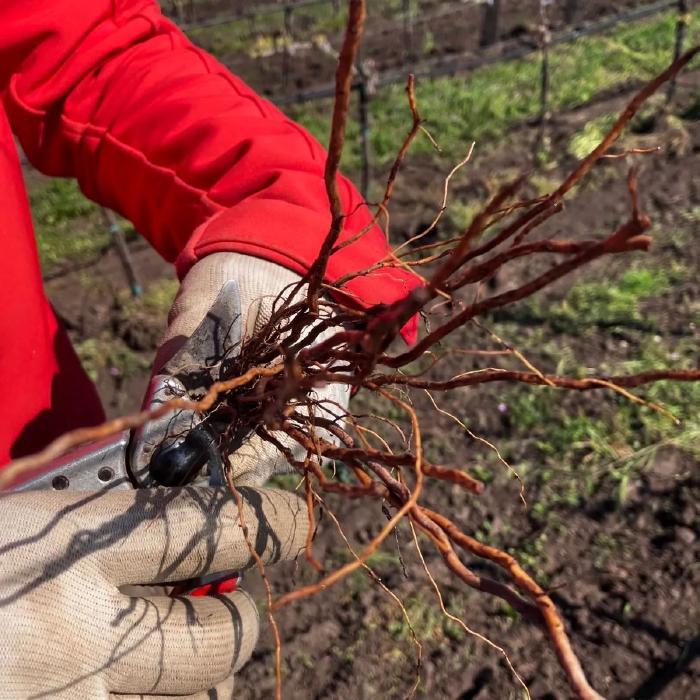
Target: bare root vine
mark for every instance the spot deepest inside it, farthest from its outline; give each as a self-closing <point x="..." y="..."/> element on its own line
<point x="268" y="389"/>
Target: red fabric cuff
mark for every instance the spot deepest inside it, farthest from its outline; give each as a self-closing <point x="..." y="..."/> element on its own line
<point x="231" y="231"/>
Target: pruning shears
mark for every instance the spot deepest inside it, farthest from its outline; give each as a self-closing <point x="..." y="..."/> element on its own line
<point x="174" y="449"/>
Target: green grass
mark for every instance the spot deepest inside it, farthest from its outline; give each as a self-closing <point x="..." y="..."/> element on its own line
<point x="250" y="37"/>
<point x="585" y="140"/>
<point x="109" y="355"/>
<point x="459" y="214"/>
<point x="224" y="39"/>
<point x="155" y="301"/>
<point x="67" y="225"/>
<point x="530" y="555"/>
<point x="481" y="106"/>
<point x="682" y="399"/>
<point x="605" y="304"/>
<point x="478" y="106"/>
<point x="606" y="437"/>
<point x="136" y="327"/>
<point x="428" y="621"/>
<point x="261" y="38"/>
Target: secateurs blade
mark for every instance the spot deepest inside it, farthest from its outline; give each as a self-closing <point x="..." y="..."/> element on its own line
<point x="174" y="449"/>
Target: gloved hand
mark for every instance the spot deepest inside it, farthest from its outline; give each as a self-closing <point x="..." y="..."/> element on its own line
<point x="67" y="630"/>
<point x="260" y="283"/>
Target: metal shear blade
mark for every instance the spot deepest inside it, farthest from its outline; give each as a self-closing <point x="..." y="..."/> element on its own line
<point x="125" y="460"/>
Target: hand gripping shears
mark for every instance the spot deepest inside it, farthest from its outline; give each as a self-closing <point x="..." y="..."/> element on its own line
<point x="174" y="449"/>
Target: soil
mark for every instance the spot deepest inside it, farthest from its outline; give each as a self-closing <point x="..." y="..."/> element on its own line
<point x="624" y="574"/>
<point x="632" y="614"/>
<point x="389" y="45"/>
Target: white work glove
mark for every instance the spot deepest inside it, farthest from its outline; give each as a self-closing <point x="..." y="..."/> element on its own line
<point x="67" y="630"/>
<point x="260" y="283"/>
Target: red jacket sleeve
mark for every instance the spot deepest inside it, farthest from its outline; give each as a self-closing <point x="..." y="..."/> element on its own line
<point x="112" y="93"/>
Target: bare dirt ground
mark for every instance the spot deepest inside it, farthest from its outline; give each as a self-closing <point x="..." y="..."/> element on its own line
<point x="624" y="571"/>
<point x="386" y="45"/>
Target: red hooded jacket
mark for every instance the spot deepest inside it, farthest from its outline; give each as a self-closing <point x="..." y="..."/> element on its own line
<point x="112" y="93"/>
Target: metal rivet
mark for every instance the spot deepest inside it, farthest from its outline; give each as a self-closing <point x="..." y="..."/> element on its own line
<point x="105" y="474"/>
<point x="60" y="483"/>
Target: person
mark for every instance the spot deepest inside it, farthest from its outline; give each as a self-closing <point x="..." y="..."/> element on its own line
<point x="223" y="185"/>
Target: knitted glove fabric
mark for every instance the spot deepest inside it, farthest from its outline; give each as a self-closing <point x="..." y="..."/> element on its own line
<point x="260" y="283"/>
<point x="68" y="632"/>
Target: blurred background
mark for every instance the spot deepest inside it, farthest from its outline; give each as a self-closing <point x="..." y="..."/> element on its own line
<point x="612" y="488"/>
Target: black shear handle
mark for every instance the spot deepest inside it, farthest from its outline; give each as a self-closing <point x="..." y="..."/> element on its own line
<point x="179" y="463"/>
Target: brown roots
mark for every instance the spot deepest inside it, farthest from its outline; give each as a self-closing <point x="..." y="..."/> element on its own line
<point x="268" y="388"/>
